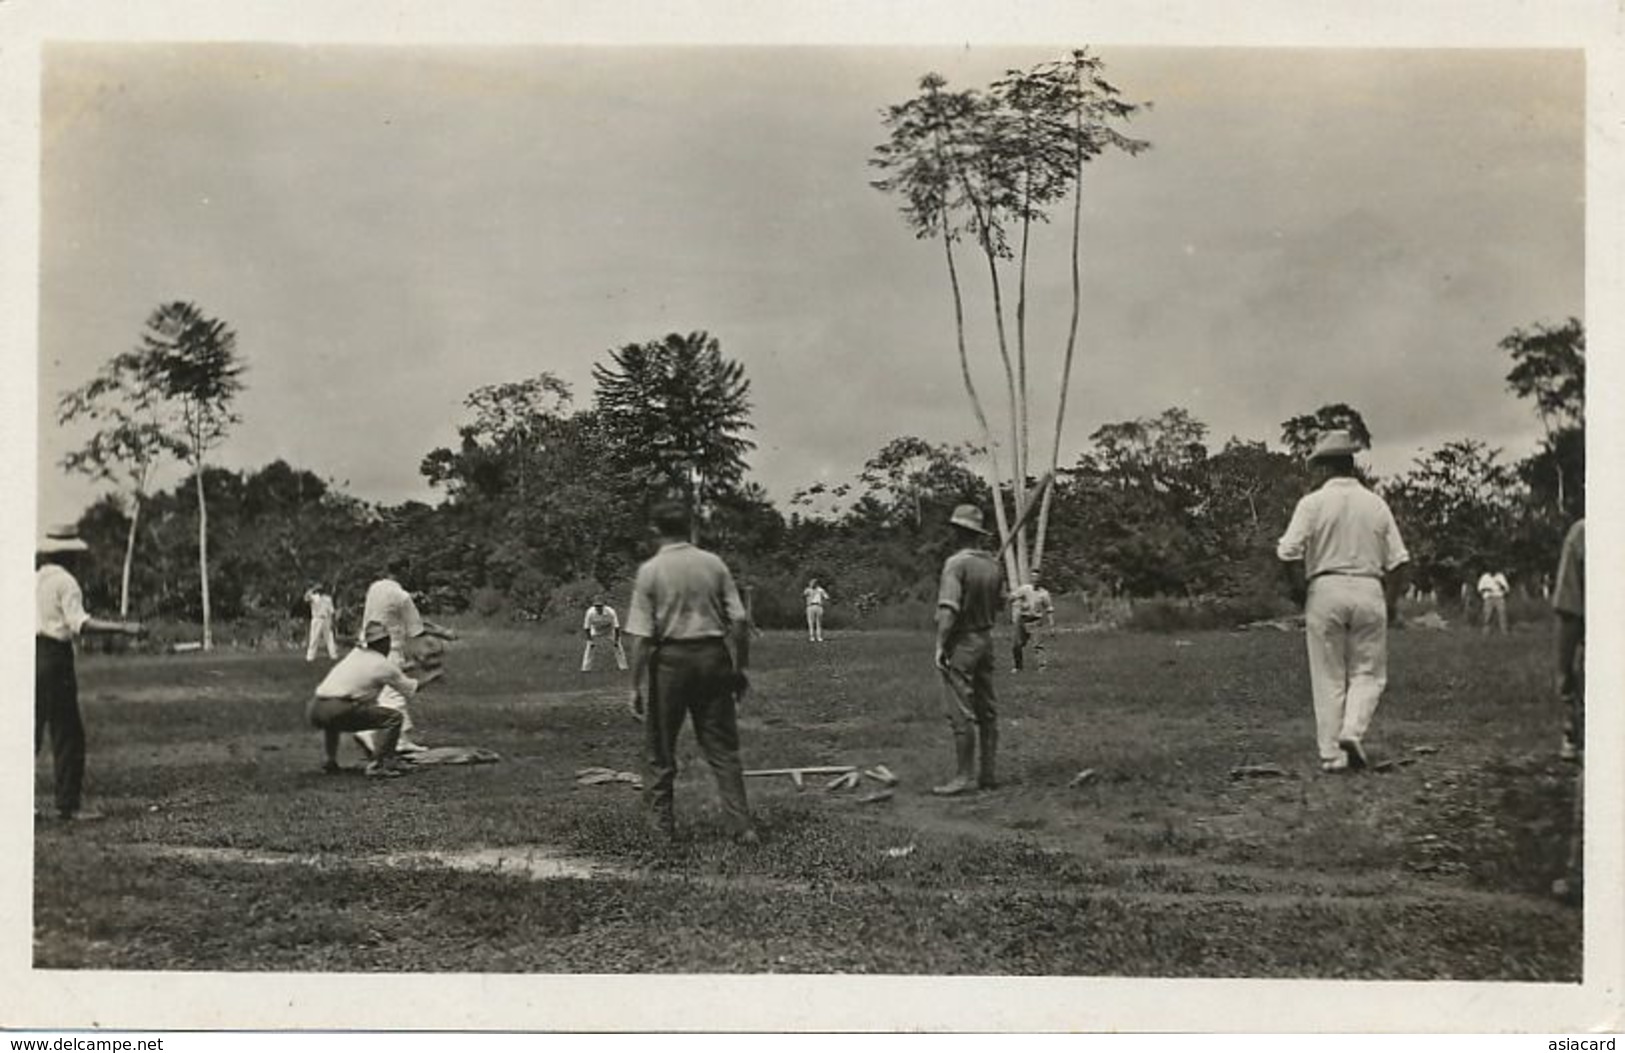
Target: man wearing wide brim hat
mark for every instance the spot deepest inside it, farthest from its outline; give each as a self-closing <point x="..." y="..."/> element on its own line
<point x="60" y="619"/>
<point x="969" y="597"/>
<point x="1347" y="565"/>
<point x="347" y="699"/>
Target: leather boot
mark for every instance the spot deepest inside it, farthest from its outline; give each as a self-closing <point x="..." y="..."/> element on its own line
<point x="965" y="757"/>
<point x="985" y="777"/>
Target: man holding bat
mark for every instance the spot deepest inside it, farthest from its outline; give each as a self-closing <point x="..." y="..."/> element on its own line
<point x="969" y="598"/>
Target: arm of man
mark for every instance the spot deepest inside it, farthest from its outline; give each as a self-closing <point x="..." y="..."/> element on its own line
<point x="1291" y="550"/>
<point x="640" y="673"/>
<point x="1393" y="587"/>
<point x="1571" y="632"/>
<point x="434" y="629"/>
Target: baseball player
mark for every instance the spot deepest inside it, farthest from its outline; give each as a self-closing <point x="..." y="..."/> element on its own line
<point x="1031" y="610"/>
<point x="816" y="597"/>
<point x="347" y="700"/>
<point x="1492" y="592"/>
<point x="601" y="626"/>
<point x="321" y="623"/>
<point x="414" y="646"/>
<point x="1347" y="565"/>
<point x="59" y="620"/>
<point x="969" y="598"/>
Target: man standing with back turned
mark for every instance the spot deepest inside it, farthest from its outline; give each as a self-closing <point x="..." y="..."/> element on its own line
<point x="969" y="598"/>
<point x="1347" y="565"/>
<point x="684" y="607"/>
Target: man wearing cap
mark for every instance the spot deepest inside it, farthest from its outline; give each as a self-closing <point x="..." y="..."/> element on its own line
<point x="59" y="619"/>
<point x="816" y="597"/>
<point x="1031" y="611"/>
<point x="321" y="623"/>
<point x="684" y="607"/>
<point x="414" y="645"/>
<point x="1343" y="555"/>
<point x="969" y="598"/>
<point x="347" y="700"/>
<point x="601" y="625"/>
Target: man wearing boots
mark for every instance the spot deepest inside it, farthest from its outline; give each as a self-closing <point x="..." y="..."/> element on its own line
<point x="969" y="598"/>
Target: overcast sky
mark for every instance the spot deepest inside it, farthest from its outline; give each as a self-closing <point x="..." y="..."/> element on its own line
<point x="387" y="229"/>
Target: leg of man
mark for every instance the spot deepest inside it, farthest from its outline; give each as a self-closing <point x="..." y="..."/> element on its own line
<point x="586" y="656"/>
<point x="716" y="727"/>
<point x="382" y="724"/>
<point x="1501" y="614"/>
<point x="620" y="656"/>
<point x="985" y="705"/>
<point x="1039" y="635"/>
<point x="1367" y="656"/>
<point x="958" y="701"/>
<point x="1327" y="633"/>
<point x="664" y="710"/>
<point x="332" y="644"/>
<point x="811" y="632"/>
<point x="1018" y="644"/>
<point x="313" y="637"/>
<point x="56" y="704"/>
<point x="818" y="623"/>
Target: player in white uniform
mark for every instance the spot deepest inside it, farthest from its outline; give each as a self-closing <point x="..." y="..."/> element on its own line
<point x="1031" y="610"/>
<point x="414" y="646"/>
<point x="321" y="623"/>
<point x="601" y="626"/>
<point x="816" y="597"/>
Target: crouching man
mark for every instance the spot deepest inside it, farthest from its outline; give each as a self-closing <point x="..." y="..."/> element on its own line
<point x="347" y="701"/>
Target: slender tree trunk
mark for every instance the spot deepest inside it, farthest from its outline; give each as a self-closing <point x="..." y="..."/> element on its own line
<point x="129" y="557"/>
<point x="1072" y="329"/>
<point x="203" y="557"/>
<point x="1022" y="562"/>
<point x="1018" y="468"/>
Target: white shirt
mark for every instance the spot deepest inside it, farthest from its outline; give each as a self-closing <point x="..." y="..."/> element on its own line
<point x="1493" y="586"/>
<point x="392" y="606"/>
<point x="683" y="593"/>
<point x="815" y="595"/>
<point x="1343" y="528"/>
<point x="321" y="606"/>
<point x="59" y="605"/>
<point x="361" y="674"/>
<point x="601" y="620"/>
<point x="1032" y="602"/>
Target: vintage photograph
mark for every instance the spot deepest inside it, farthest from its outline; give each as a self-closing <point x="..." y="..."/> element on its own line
<point x="1069" y="510"/>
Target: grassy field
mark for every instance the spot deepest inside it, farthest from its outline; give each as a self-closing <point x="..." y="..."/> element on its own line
<point x="224" y="847"/>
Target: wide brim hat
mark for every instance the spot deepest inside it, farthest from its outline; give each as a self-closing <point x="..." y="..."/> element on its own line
<point x="62" y="539"/>
<point x="969" y="517"/>
<point x="1338" y="442"/>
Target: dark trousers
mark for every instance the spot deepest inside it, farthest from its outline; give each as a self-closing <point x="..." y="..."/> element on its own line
<point x="56" y="706"/>
<point x="692" y="679"/>
<point x="968" y="683"/>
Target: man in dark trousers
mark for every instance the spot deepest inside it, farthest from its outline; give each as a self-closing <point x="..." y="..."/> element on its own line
<point x="1569" y="601"/>
<point x="969" y="598"/>
<point x="59" y="620"/>
<point x="684" y="608"/>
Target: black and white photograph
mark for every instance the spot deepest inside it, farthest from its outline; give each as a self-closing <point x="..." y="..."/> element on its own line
<point x="924" y="507"/>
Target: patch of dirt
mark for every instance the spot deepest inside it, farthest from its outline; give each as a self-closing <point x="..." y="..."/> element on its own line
<point x="534" y="862"/>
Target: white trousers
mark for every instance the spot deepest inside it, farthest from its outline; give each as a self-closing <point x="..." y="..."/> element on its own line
<point x="815" y="622"/>
<point x="593" y="642"/>
<point x="1346" y="621"/>
<point x="321" y="632"/>
<point x="389" y="698"/>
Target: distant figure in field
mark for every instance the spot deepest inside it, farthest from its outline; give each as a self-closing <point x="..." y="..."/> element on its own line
<point x="321" y="623"/>
<point x="1031" y="611"/>
<point x="1569" y="601"/>
<point x="1492" y="594"/>
<point x="414" y="646"/>
<point x="59" y="620"/>
<point x="601" y="625"/>
<point x="816" y="597"/>
<point x="1347" y="564"/>
<point x="969" y="598"/>
<point x="684" y="608"/>
<point x="347" y="700"/>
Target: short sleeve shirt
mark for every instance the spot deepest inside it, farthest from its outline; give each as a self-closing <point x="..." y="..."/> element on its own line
<point x="1343" y="528"/>
<point x="1493" y="586"/>
<point x="683" y="593"/>
<point x="815" y="595"/>
<point x="59" y="605"/>
<point x="321" y="607"/>
<point x="1032" y="602"/>
<point x="601" y="620"/>
<point x="1570" y="595"/>
<point x="972" y="586"/>
<point x="393" y="606"/>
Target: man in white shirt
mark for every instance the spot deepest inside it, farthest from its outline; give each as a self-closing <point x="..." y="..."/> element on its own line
<point x="321" y="623"/>
<point x="347" y="700"/>
<point x="1031" y="610"/>
<point x="60" y="619"/>
<point x="414" y="645"/>
<point x="816" y="597"/>
<point x="1492" y="590"/>
<point x="601" y="625"/>
<point x="1347" y="564"/>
